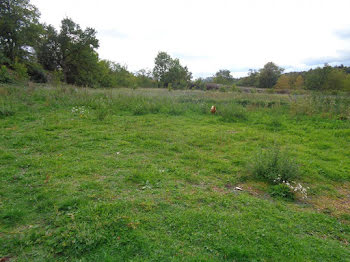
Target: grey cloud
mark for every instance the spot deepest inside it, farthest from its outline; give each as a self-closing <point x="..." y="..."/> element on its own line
<point x="343" y="57"/>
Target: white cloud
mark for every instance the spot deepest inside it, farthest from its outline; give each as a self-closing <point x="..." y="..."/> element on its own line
<point x="210" y="35"/>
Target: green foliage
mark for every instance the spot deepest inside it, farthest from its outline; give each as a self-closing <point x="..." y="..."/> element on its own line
<point x="36" y="73"/>
<point x="19" y="27"/>
<point x="101" y="111"/>
<point x="283" y="82"/>
<point x="315" y="79"/>
<point x="123" y="77"/>
<point x="20" y="71"/>
<point x="223" y="77"/>
<point x="144" y="79"/>
<point x="223" y="88"/>
<point x="299" y="82"/>
<point x="337" y="107"/>
<point x="162" y="65"/>
<point x="48" y="49"/>
<point x="234" y="88"/>
<point x="168" y="70"/>
<point x="73" y="50"/>
<point x="269" y="75"/>
<point x="198" y="84"/>
<point x="282" y="191"/>
<point x="274" y="166"/>
<point x="327" y="78"/>
<point x="5" y="76"/>
<point x="57" y="77"/>
<point x="251" y="80"/>
<point x="231" y="112"/>
<point x="3" y="59"/>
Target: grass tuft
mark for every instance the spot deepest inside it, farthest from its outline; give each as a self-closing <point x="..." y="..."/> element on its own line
<point x="274" y="166"/>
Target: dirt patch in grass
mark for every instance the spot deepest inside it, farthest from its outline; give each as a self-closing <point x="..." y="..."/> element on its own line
<point x="338" y="206"/>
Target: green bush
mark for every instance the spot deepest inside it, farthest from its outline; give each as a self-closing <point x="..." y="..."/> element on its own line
<point x="57" y="77"/>
<point x="234" y="88"/>
<point x="36" y="73"/>
<point x="274" y="166"/>
<point x="281" y="191"/>
<point x="198" y="84"/>
<point x="20" y="71"/>
<point x="5" y="76"/>
<point x="222" y="89"/>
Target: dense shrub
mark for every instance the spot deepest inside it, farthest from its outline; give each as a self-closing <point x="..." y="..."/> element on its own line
<point x="36" y="73"/>
<point x="5" y="76"/>
<point x="327" y="78"/>
<point x="274" y="166"/>
<point x="20" y="71"/>
<point x="198" y="84"/>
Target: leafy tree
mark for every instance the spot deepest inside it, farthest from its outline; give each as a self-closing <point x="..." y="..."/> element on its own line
<point x="19" y="28"/>
<point x="269" y="75"/>
<point x="77" y="53"/>
<point x="328" y="78"/>
<point x="144" y="78"/>
<point x="177" y="75"/>
<point x="251" y="80"/>
<point x="123" y="77"/>
<point x="199" y="83"/>
<point x="169" y="71"/>
<point x="336" y="80"/>
<point x="299" y="82"/>
<point x="106" y="75"/>
<point x="223" y="77"/>
<point x="283" y="82"/>
<point x="162" y="65"/>
<point x="316" y="78"/>
<point x="48" y="49"/>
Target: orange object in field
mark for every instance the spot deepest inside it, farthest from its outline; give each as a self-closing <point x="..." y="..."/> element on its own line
<point x="213" y="110"/>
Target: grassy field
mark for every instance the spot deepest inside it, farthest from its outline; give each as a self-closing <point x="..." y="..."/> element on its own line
<point x="151" y="175"/>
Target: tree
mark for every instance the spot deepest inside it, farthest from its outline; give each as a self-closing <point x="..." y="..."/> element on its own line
<point x="283" y="82"/>
<point x="48" y="49"/>
<point x="19" y="28"/>
<point x="316" y="79"/>
<point x="123" y="76"/>
<point x="162" y="65"/>
<point x="77" y="53"/>
<point x="144" y="78"/>
<point x="336" y="80"/>
<point x="169" y="71"/>
<point x="251" y="80"/>
<point x="269" y="75"/>
<point x="299" y="82"/>
<point x="223" y="77"/>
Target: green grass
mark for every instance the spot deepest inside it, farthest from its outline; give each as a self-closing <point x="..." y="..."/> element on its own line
<point x="149" y="175"/>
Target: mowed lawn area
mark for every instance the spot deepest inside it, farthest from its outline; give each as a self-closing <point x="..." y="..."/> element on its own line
<point x="152" y="175"/>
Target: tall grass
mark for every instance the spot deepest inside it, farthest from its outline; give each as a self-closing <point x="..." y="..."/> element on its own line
<point x="231" y="106"/>
<point x="274" y="166"/>
<point x="330" y="106"/>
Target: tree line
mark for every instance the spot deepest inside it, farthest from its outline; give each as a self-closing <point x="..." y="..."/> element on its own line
<point x="38" y="52"/>
<point x="30" y="50"/>
<point x="326" y="78"/>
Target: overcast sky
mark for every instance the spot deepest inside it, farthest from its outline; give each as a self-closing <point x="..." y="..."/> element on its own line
<point x="208" y="35"/>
